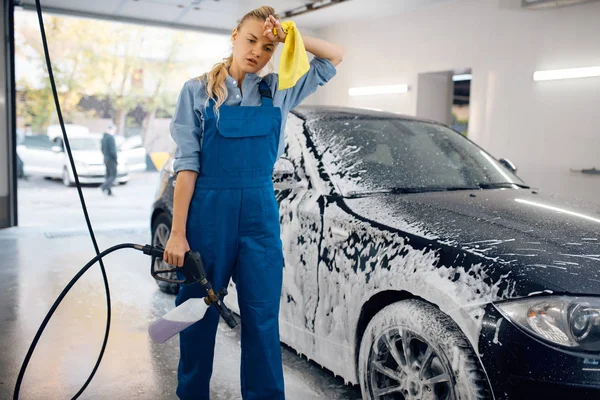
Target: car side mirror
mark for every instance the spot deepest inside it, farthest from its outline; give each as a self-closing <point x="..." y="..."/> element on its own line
<point x="283" y="169"/>
<point x="508" y="164"/>
<point x="56" y="149"/>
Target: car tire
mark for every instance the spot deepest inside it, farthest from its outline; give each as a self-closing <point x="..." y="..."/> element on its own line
<point x="441" y="362"/>
<point x="161" y="229"/>
<point x="66" y="180"/>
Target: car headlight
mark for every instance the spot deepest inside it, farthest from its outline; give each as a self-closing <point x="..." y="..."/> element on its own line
<point x="567" y="321"/>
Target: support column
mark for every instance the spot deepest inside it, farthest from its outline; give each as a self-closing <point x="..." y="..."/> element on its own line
<point x="8" y="177"/>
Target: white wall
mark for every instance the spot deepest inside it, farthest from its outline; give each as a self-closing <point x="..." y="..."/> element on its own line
<point x="544" y="127"/>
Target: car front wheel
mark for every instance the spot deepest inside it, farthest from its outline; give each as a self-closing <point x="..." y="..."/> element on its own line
<point x="412" y="351"/>
<point x="66" y="179"/>
<point x="161" y="230"/>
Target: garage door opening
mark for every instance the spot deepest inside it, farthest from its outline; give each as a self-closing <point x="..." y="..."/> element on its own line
<point x="130" y="79"/>
<point x="444" y="97"/>
<point x="461" y="90"/>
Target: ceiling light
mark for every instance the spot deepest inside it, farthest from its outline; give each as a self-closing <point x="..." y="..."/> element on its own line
<point x="371" y="90"/>
<point x="320" y="3"/>
<point x="569" y="73"/>
<point x="462" y="77"/>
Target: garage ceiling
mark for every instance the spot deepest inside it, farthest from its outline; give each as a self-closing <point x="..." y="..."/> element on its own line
<point x="221" y="15"/>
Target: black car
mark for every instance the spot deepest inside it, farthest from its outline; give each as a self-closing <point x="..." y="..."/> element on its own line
<point x="420" y="267"/>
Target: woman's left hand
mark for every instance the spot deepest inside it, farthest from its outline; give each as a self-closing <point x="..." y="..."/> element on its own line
<point x="271" y="23"/>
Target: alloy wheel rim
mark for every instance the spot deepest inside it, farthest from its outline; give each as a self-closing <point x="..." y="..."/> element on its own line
<point x="404" y="366"/>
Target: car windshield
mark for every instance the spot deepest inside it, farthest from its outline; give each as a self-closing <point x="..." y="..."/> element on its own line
<point x="85" y="144"/>
<point x="365" y="154"/>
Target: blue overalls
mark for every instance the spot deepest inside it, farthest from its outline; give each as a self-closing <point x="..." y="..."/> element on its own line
<point x="233" y="221"/>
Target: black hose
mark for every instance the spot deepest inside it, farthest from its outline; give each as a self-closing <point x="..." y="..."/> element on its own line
<point x="89" y="225"/>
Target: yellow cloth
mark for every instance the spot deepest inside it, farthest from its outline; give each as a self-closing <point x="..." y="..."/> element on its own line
<point x="293" y="63"/>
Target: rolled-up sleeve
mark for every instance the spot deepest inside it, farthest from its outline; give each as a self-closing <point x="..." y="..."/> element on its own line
<point x="320" y="72"/>
<point x="186" y="131"/>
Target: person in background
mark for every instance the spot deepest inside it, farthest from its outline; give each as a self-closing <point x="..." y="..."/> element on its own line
<point x="109" y="150"/>
<point x="21" y="133"/>
<point x="25" y="132"/>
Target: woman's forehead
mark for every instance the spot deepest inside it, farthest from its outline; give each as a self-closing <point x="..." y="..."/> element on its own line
<point x="254" y="27"/>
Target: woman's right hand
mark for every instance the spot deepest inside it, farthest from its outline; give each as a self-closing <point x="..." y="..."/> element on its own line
<point x="177" y="246"/>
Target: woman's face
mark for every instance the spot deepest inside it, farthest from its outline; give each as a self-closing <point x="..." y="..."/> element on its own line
<point x="251" y="49"/>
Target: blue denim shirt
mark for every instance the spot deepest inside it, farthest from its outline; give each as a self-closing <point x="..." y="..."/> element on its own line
<point x="186" y="125"/>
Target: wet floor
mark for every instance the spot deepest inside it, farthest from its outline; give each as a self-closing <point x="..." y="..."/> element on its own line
<point x="37" y="261"/>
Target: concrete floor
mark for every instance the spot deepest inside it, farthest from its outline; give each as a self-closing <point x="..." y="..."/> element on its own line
<point x="40" y="257"/>
<point x="51" y="244"/>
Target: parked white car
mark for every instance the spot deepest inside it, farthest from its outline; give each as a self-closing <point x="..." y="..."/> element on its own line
<point x="47" y="157"/>
<point x="133" y="152"/>
<point x="55" y="131"/>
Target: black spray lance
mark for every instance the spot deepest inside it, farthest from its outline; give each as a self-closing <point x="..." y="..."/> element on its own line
<point x="193" y="309"/>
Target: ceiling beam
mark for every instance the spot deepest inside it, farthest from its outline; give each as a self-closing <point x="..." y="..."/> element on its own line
<point x="314" y="6"/>
<point x="125" y="19"/>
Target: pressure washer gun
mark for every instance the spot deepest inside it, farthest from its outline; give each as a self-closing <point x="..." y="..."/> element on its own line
<point x="193" y="309"/>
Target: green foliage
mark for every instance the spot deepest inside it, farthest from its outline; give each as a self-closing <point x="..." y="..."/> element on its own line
<point x="132" y="66"/>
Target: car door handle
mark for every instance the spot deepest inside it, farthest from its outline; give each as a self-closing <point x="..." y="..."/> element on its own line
<point x="339" y="235"/>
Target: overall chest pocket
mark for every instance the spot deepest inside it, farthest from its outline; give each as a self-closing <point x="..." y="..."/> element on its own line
<point x="248" y="141"/>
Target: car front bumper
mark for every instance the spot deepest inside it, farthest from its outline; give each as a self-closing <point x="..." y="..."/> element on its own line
<point x="98" y="179"/>
<point x="520" y="366"/>
<point x="96" y="174"/>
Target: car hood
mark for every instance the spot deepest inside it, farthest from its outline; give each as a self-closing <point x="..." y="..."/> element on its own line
<point x="550" y="242"/>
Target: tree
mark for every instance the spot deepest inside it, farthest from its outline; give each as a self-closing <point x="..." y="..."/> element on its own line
<point x="124" y="61"/>
<point x="36" y="106"/>
<point x="162" y="70"/>
<point x="129" y="67"/>
<point x="75" y="47"/>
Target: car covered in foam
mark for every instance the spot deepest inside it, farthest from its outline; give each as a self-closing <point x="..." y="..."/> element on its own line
<point x="420" y="267"/>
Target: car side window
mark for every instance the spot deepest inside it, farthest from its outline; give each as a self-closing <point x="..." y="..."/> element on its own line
<point x="58" y="141"/>
<point x="322" y="177"/>
<point x="40" y="142"/>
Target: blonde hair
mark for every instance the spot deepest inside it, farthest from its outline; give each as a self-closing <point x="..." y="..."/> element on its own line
<point x="216" y="88"/>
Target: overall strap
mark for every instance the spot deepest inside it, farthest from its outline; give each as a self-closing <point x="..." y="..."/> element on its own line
<point x="209" y="111"/>
<point x="265" y="93"/>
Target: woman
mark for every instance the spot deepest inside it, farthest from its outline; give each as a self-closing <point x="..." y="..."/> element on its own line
<point x="227" y="127"/>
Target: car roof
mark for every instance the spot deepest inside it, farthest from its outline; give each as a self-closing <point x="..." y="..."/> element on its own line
<point x="42" y="137"/>
<point x="84" y="135"/>
<point x="319" y="112"/>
